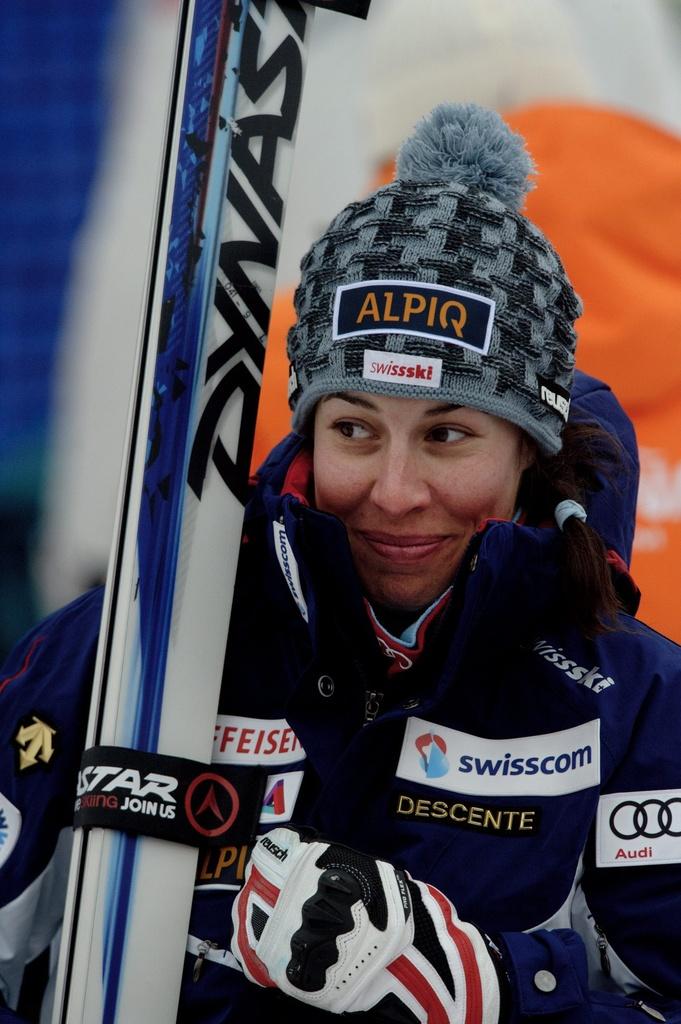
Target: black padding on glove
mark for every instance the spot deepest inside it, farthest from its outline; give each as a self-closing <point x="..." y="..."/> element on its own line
<point x="365" y="871"/>
<point x="326" y="915"/>
<point x="390" y="1010"/>
<point x="258" y="920"/>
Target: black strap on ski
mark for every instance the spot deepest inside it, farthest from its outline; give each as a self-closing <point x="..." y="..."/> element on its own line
<point x="168" y="797"/>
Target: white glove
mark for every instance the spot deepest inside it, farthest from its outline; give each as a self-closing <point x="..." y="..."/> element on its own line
<point x="347" y="933"/>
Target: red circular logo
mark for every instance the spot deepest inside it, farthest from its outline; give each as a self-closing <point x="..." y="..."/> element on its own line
<point x="210" y="798"/>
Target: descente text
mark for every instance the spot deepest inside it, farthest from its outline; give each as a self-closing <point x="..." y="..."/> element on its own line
<point x="500" y="820"/>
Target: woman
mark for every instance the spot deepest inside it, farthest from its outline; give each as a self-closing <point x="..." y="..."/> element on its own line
<point x="468" y="751"/>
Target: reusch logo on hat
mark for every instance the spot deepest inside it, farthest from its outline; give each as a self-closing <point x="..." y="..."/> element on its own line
<point x="554" y="396"/>
<point x="413" y="308"/>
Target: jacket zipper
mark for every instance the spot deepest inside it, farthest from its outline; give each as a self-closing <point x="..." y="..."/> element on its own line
<point x="204" y="947"/>
<point x="650" y="1011"/>
<point x="602" y="943"/>
<point x="372" y="704"/>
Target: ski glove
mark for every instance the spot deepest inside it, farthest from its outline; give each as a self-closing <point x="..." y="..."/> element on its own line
<point x="347" y="933"/>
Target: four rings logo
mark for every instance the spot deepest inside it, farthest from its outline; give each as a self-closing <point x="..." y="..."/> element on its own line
<point x="648" y="820"/>
<point x="639" y="828"/>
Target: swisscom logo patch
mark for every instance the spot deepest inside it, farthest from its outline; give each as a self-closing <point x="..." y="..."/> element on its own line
<point x="433" y="754"/>
<point x="415" y="309"/>
<point x="548" y="764"/>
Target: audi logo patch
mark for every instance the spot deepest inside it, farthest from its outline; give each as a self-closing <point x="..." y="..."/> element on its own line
<point x="637" y="829"/>
<point x="647" y="819"/>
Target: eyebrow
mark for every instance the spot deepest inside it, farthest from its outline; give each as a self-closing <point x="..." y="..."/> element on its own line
<point x="365" y="403"/>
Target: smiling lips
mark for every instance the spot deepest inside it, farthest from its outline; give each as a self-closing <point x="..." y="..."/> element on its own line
<point x="403" y="548"/>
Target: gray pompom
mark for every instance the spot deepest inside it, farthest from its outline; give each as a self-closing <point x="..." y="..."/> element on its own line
<point x="470" y="145"/>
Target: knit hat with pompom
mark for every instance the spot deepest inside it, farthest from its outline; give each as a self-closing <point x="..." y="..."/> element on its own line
<point x="437" y="287"/>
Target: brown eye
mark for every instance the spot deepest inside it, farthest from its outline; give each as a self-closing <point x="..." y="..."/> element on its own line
<point x="445" y="435"/>
<point x="353" y="431"/>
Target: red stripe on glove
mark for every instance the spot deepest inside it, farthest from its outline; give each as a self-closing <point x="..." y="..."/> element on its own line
<point x="259" y="885"/>
<point x="468" y="959"/>
<point x="414" y="981"/>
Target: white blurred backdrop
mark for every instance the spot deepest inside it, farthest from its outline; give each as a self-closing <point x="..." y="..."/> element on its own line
<point x="366" y="85"/>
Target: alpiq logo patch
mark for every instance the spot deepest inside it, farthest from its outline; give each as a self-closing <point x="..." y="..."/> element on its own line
<point x="414" y="309"/>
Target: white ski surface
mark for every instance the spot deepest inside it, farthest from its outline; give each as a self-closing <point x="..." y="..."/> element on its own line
<point x="124" y="934"/>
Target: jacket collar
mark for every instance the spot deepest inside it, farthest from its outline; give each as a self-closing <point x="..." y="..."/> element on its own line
<point x="507" y="583"/>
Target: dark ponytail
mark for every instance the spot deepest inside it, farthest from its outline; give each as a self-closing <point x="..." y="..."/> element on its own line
<point x="588" y="455"/>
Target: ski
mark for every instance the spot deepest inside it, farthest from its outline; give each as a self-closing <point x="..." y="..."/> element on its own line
<point x="232" y="117"/>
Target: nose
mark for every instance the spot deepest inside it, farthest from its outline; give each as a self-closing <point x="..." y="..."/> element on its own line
<point x="400" y="485"/>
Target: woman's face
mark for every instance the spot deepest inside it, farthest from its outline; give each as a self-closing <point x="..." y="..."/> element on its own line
<point x="412" y="479"/>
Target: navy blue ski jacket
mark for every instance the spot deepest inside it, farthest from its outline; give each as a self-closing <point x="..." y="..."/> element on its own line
<point x="531" y="774"/>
